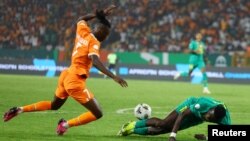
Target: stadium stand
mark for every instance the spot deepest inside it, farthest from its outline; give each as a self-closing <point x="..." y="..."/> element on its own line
<point x="146" y="25"/>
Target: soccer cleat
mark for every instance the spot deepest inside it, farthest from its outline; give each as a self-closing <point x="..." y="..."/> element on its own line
<point x="206" y="91"/>
<point x="60" y="130"/>
<point x="177" y="75"/>
<point x="127" y="129"/>
<point x="11" y="113"/>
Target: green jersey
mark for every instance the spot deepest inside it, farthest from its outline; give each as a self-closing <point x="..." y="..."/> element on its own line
<point x="112" y="58"/>
<point x="197" y="59"/>
<point x="199" y="106"/>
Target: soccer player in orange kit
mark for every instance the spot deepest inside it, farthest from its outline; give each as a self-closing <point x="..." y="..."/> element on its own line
<point x="72" y="80"/>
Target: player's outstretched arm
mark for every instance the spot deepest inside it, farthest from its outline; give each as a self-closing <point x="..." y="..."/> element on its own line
<point x="177" y="123"/>
<point x="99" y="65"/>
<point x="91" y="16"/>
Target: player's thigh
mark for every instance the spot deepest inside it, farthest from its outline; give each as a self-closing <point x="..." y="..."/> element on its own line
<point x="60" y="90"/>
<point x="76" y="88"/>
<point x="170" y="120"/>
<point x="201" y="66"/>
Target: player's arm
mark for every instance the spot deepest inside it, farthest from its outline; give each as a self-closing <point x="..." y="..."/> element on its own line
<point x="225" y="121"/>
<point x="196" y="52"/>
<point x="91" y="16"/>
<point x="205" y="54"/>
<point x="177" y="123"/>
<point x="192" y="50"/>
<point x="99" y="65"/>
<point x="205" y="57"/>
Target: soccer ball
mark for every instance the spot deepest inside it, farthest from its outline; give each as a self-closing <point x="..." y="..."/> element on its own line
<point x="142" y="111"/>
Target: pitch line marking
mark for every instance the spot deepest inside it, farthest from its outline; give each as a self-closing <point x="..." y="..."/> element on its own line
<point x="131" y="110"/>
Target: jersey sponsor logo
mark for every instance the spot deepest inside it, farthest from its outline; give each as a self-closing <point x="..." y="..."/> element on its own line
<point x="197" y="106"/>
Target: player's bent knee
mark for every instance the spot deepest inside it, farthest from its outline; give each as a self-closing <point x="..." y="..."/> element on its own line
<point x="98" y="115"/>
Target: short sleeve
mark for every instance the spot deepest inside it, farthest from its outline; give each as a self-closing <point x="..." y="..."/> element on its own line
<point x="82" y="28"/>
<point x="94" y="47"/>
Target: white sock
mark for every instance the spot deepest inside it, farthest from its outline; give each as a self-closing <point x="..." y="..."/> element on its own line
<point x="21" y="110"/>
<point x="66" y="125"/>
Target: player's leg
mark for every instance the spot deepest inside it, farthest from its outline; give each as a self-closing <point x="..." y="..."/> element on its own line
<point x="38" y="106"/>
<point x="166" y="123"/>
<point x="143" y="131"/>
<point x="191" y="69"/>
<point x="204" y="78"/>
<point x="59" y="99"/>
<point x="185" y="73"/>
<point x="44" y="105"/>
<point x="154" y="126"/>
<point x="157" y="126"/>
<point x="75" y="87"/>
<point x="93" y="114"/>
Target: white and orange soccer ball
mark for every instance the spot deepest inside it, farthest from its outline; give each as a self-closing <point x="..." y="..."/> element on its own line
<point x="142" y="111"/>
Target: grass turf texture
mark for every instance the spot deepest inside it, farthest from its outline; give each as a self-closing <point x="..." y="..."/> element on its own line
<point x="18" y="90"/>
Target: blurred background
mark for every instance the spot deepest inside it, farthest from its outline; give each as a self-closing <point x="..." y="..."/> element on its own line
<point x="42" y="29"/>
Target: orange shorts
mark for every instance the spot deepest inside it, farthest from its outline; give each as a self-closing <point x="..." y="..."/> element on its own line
<point x="73" y="85"/>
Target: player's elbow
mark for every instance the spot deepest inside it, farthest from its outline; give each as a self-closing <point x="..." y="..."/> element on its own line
<point x="95" y="60"/>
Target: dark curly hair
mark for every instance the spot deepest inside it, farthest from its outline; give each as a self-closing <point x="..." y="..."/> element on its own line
<point x="102" y="18"/>
<point x="219" y="112"/>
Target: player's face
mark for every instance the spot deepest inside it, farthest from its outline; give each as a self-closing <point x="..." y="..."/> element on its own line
<point x="101" y="32"/>
<point x="198" y="37"/>
<point x="209" y="116"/>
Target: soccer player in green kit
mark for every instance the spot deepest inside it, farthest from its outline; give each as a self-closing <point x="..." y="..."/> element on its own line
<point x="196" y="59"/>
<point x="193" y="111"/>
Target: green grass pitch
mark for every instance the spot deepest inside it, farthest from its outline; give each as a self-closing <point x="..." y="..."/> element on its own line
<point x="162" y="96"/>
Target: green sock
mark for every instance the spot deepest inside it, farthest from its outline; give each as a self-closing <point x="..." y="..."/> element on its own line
<point x="204" y="79"/>
<point x="141" y="131"/>
<point x="140" y="123"/>
<point x="185" y="74"/>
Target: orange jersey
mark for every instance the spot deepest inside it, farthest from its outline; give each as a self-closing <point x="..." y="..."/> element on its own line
<point x="85" y="45"/>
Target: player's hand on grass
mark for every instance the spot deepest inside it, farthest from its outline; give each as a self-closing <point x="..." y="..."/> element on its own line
<point x="171" y="139"/>
<point x="119" y="80"/>
<point x="200" y="137"/>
